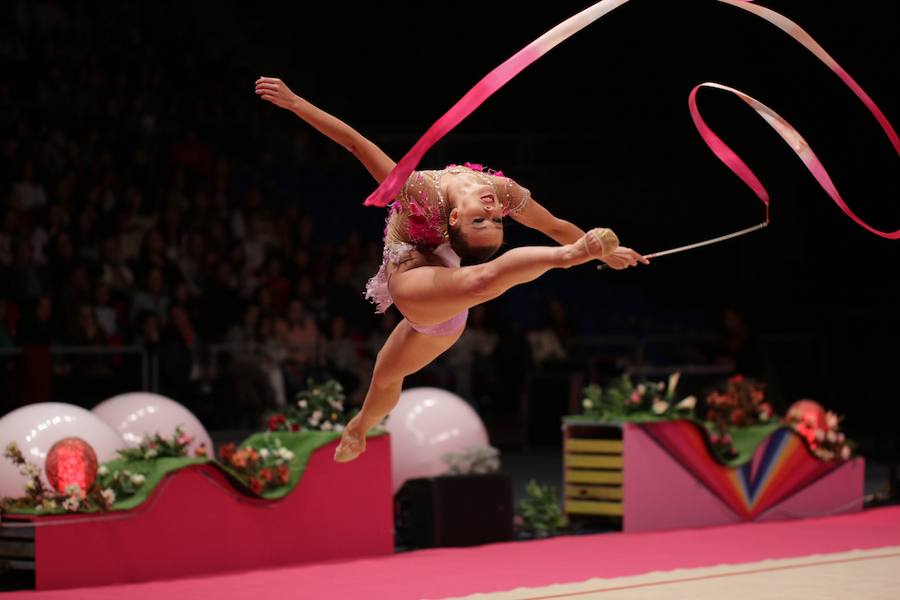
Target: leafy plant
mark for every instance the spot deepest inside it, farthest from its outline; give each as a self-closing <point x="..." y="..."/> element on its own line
<point x="157" y="446"/>
<point x="261" y="467"/>
<point x="539" y="513"/>
<point x="320" y="407"/>
<point x="623" y="399"/>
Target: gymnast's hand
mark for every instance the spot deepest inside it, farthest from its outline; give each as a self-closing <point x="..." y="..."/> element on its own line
<point x="275" y="91"/>
<point x="622" y="258"/>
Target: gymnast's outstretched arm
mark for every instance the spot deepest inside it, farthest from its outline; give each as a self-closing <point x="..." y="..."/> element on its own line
<point x="371" y="156"/>
<point x="537" y="217"/>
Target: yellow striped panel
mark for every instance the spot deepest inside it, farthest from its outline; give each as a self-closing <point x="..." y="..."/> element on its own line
<point x="607" y="446"/>
<point x="594" y="460"/>
<point x="593" y="492"/>
<point x="575" y="476"/>
<point x="594" y="508"/>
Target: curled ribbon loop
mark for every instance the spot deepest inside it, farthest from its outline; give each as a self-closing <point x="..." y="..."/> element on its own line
<point x="501" y="75"/>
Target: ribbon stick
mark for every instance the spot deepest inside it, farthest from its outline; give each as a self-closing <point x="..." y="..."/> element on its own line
<point x="501" y="75"/>
<point x="721" y="238"/>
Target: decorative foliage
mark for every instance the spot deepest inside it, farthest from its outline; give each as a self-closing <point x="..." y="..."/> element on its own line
<point x="539" y="513"/>
<point x="319" y="408"/>
<point x="473" y="461"/>
<point x="157" y="446"/>
<point x="101" y="495"/>
<point x="261" y="468"/>
<point x="622" y="400"/>
<point x="741" y="404"/>
<point x="822" y="434"/>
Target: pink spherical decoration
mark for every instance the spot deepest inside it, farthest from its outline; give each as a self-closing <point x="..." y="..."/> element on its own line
<point x="426" y="424"/>
<point x="35" y="428"/>
<point x="71" y="461"/>
<point x="809" y="412"/>
<point x="137" y="415"/>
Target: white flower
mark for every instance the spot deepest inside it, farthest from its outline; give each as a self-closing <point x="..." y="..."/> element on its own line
<point x="109" y="496"/>
<point x="137" y="479"/>
<point x="641" y="389"/>
<point x="264" y="453"/>
<point x="338" y="427"/>
<point x="687" y="404"/>
<point x="29" y="485"/>
<point x="317" y="415"/>
<point x="285" y="453"/>
<point x="303" y="404"/>
<point x="820" y="435"/>
<point x="73" y="489"/>
<point x="845" y="452"/>
<point x="313" y="422"/>
<point x="660" y="406"/>
<point x="673" y="382"/>
<point x="831" y="420"/>
<point x="327" y="426"/>
<point x="28" y="470"/>
<point x="102" y="471"/>
<point x="660" y="386"/>
<point x="49" y="504"/>
<point x="71" y="504"/>
<point x="587" y="404"/>
<point x="150" y="453"/>
<point x="831" y="436"/>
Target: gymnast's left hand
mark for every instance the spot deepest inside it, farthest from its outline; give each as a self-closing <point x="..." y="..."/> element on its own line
<point x="275" y="91"/>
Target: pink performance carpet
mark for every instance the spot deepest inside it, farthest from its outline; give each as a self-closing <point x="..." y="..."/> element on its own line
<point x="458" y="572"/>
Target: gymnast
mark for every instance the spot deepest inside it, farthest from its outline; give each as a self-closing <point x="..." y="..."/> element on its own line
<point x="442" y="230"/>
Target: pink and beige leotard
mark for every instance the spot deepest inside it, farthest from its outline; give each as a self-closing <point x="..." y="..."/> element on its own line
<point x="417" y="220"/>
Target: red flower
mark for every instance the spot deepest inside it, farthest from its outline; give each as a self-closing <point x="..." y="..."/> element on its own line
<point x="737" y="416"/>
<point x="284" y="474"/>
<point x="737" y="379"/>
<point x="265" y="475"/>
<point x="226" y="452"/>
<point x="255" y="485"/>
<point x="295" y="426"/>
<point x="274" y="422"/>
<point x="239" y="459"/>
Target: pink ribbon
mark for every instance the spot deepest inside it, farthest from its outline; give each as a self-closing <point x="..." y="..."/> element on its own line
<point x="497" y="78"/>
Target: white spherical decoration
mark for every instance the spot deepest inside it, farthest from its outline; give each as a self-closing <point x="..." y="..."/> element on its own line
<point x="138" y="414"/>
<point x="36" y="427"/>
<point x="426" y="424"/>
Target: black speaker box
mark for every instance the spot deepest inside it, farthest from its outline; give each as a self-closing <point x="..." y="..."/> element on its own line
<point x="454" y="510"/>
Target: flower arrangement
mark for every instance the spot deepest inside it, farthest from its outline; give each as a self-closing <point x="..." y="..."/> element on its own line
<point x="157" y="446"/>
<point x="623" y="399"/>
<point x="539" y="514"/>
<point x="260" y="468"/>
<point x="822" y="434"/>
<point x="473" y="461"/>
<point x="318" y="408"/>
<point x="101" y="495"/>
<point x="741" y="404"/>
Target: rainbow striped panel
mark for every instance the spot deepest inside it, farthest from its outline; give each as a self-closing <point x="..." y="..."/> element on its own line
<point x="781" y="466"/>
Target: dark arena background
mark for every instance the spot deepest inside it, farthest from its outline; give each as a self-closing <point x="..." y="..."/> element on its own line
<point x="164" y="230"/>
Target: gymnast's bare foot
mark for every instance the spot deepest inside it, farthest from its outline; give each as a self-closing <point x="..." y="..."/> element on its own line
<point x="352" y="444"/>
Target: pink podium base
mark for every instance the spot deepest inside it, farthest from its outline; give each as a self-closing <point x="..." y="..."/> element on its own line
<point x="196" y="522"/>
<point x="662" y="493"/>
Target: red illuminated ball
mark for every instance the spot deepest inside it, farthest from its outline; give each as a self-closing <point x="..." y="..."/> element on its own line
<point x="71" y="461"/>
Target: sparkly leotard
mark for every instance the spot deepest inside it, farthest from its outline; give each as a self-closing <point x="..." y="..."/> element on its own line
<point x="417" y="220"/>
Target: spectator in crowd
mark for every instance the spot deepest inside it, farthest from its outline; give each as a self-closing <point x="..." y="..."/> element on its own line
<point x="153" y="298"/>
